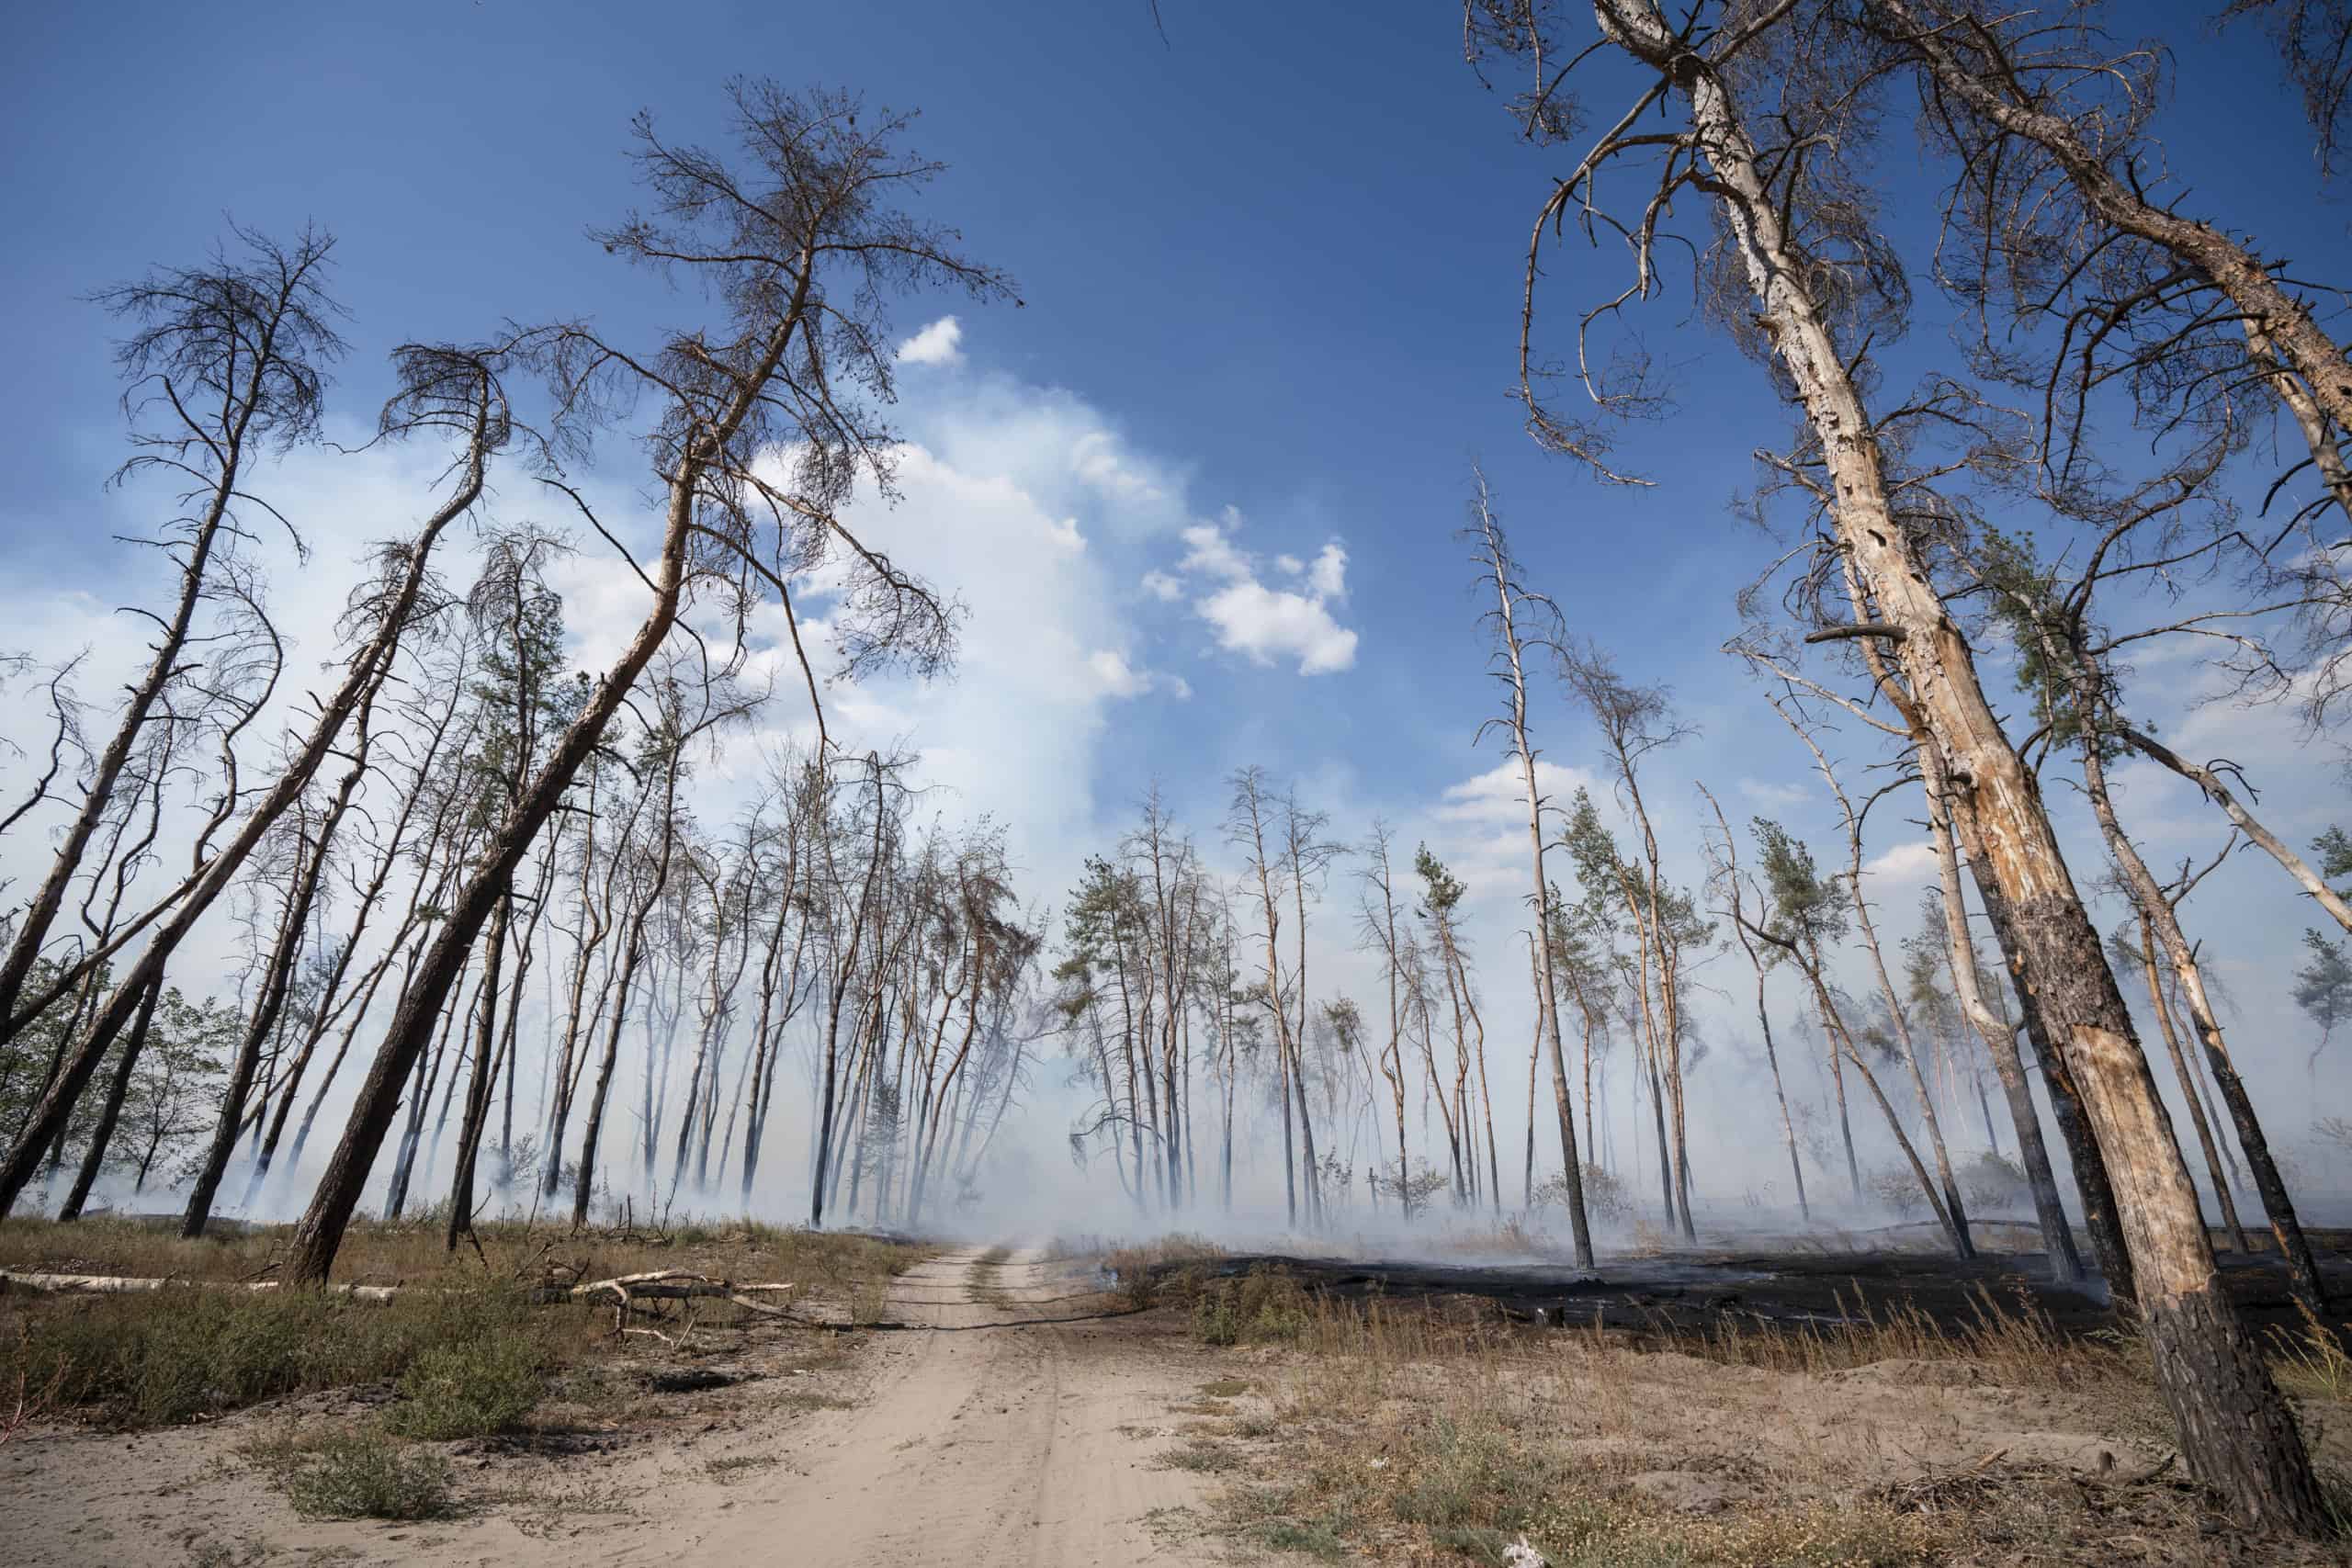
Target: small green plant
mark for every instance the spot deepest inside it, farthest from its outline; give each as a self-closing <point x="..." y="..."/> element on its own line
<point x="1314" y="1538"/>
<point x="469" y="1388"/>
<point x="357" y="1473"/>
<point x="1264" y="1306"/>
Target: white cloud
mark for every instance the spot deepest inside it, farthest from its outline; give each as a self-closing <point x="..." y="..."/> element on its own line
<point x="1500" y="794"/>
<point x="1209" y="552"/>
<point x="938" y="344"/>
<point x="1913" y="861"/>
<point x="1329" y="578"/>
<point x="1264" y="624"/>
<point x="1162" y="587"/>
<point x="1103" y="461"/>
<point x="1117" y="678"/>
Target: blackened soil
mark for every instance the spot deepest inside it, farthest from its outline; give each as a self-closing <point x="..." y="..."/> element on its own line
<point x="1690" y="1290"/>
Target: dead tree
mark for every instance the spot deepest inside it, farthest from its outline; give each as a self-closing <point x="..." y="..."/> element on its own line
<point x="1801" y="915"/>
<point x="1954" y="1207"/>
<point x="802" y="246"/>
<point x="1306" y="857"/>
<point x="441" y="387"/>
<point x="1515" y="604"/>
<point x="1246" y="826"/>
<point x="1729" y="883"/>
<point x="1634" y="721"/>
<point x="1778" y="210"/>
<point x="1999" y="1037"/>
<point x="2059" y="167"/>
<point x="232" y="357"/>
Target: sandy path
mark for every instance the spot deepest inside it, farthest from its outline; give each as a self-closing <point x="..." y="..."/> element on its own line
<point x="996" y="1438"/>
<point x="987" y="1444"/>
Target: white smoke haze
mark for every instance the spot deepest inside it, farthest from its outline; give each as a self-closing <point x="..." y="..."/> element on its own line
<point x="1101" y="604"/>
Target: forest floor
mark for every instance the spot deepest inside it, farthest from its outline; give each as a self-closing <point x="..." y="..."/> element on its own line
<point x="998" y="1405"/>
<point x="965" y="1424"/>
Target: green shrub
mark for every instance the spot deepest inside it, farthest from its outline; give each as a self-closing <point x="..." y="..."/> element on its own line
<point x="163" y="1357"/>
<point x="358" y="1473"/>
<point x="1265" y="1305"/>
<point x="469" y="1387"/>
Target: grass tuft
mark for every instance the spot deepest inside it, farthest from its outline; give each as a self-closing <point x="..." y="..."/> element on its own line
<point x="356" y="1473"/>
<point x="471" y="1385"/>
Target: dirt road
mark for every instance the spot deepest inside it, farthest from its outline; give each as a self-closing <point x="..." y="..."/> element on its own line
<point x="991" y="1436"/>
<point x="984" y="1444"/>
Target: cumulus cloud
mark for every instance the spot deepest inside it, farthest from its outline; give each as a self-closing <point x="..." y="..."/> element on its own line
<point x="1117" y="678"/>
<point x="1500" y="794"/>
<point x="1265" y="625"/>
<point x="1162" y="587"/>
<point x="938" y="344"/>
<point x="1912" y="861"/>
<point x="1329" y="577"/>
<point x="1209" y="552"/>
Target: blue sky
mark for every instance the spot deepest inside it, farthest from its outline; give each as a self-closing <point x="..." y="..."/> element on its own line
<point x="1271" y="264"/>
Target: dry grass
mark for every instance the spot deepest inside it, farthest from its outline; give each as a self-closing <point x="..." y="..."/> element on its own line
<point x="1439" y="1434"/>
<point x="470" y="1348"/>
<point x="984" y="1287"/>
<point x="2015" y="1341"/>
<point x="415" y="1252"/>
<point x="1142" y="1268"/>
<point x="2312" y="1364"/>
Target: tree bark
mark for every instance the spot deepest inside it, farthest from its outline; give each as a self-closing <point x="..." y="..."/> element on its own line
<point x="2236" y="1431"/>
<point x="2000" y="1040"/>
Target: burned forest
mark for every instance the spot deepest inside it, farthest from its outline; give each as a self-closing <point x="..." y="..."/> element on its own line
<point x="730" y="815"/>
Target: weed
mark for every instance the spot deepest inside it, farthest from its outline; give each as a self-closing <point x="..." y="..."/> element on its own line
<point x="161" y="1357"/>
<point x="470" y="1386"/>
<point x="1263" y="1307"/>
<point x="356" y="1473"/>
<point x="1203" y="1454"/>
<point x="1145" y="1271"/>
<point x="2313" y="1364"/>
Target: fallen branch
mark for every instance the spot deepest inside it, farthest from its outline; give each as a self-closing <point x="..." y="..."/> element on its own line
<point x="666" y="1285"/>
<point x="113" y="1284"/>
<point x="672" y="1284"/>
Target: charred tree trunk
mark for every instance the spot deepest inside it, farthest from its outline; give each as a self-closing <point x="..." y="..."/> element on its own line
<point x="111" y="1112"/>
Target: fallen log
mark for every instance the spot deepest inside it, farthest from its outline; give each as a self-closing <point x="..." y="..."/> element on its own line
<point x="115" y="1284"/>
<point x="673" y="1284"/>
<point x="669" y="1284"/>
